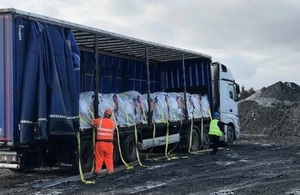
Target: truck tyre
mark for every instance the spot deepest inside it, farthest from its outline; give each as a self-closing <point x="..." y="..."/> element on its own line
<point x="128" y="148"/>
<point x="116" y="152"/>
<point x="206" y="140"/>
<point x="230" y="135"/>
<point x="86" y="156"/>
<point x="195" y="141"/>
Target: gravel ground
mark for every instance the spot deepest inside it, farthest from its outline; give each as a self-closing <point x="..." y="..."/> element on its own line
<point x="255" y="164"/>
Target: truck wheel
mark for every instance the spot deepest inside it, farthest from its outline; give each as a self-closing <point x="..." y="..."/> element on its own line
<point x="128" y="148"/>
<point x="86" y="156"/>
<point x="195" y="141"/>
<point x="206" y="140"/>
<point x="116" y="152"/>
<point x="230" y="135"/>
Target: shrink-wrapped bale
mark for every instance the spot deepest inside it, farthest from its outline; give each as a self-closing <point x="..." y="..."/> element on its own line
<point x="189" y="105"/>
<point x="104" y="103"/>
<point x="160" y="112"/>
<point x="86" y="109"/>
<point x="195" y="99"/>
<point x="176" y="112"/>
<point x="146" y="106"/>
<point x="131" y="108"/>
<point x="181" y="105"/>
<point x="205" y="106"/>
<point x="138" y="106"/>
<point x="122" y="108"/>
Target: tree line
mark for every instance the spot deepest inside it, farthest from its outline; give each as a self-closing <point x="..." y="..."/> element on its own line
<point x="246" y="93"/>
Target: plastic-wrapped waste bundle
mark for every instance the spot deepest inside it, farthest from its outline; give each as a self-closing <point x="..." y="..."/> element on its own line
<point x="181" y="105"/>
<point x="86" y="109"/>
<point x="104" y="103"/>
<point x="161" y="110"/>
<point x="109" y="100"/>
<point x="189" y="104"/>
<point x="122" y="108"/>
<point x="176" y="112"/>
<point x="137" y="104"/>
<point x="142" y="104"/>
<point x="195" y="99"/>
<point x="131" y="108"/>
<point x="146" y="107"/>
<point x="205" y="106"/>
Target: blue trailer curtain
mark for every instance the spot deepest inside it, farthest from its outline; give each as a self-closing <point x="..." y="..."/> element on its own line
<point x="50" y="82"/>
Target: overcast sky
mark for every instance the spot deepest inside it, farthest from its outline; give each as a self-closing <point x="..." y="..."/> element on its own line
<point x="259" y="40"/>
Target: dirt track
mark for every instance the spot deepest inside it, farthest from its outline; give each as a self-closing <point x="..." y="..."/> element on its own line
<point x="254" y="165"/>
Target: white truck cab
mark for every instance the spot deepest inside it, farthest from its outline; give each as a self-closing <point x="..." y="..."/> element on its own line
<point x="225" y="94"/>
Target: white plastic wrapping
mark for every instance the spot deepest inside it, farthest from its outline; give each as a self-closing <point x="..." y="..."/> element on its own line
<point x="205" y="106"/>
<point x="86" y="109"/>
<point x="131" y="108"/>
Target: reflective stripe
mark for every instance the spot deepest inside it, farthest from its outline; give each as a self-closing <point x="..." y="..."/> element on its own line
<point x="25" y="121"/>
<point x="105" y="129"/>
<point x="63" y="116"/>
<point x="32" y="122"/>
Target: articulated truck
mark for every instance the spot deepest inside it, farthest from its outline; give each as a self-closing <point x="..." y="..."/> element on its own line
<point x="55" y="76"/>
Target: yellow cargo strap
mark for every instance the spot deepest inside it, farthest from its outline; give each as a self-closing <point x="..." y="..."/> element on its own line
<point x="79" y="162"/>
<point x="120" y="151"/>
<point x="201" y="133"/>
<point x="166" y="148"/>
<point x="83" y="118"/>
<point x="167" y="154"/>
<point x="191" y="138"/>
<point x="136" y="148"/>
<point x="94" y="146"/>
<point x="177" y="142"/>
<point x="167" y="142"/>
<point x="153" y="137"/>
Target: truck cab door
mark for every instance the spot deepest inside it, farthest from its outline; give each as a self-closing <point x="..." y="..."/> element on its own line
<point x="227" y="96"/>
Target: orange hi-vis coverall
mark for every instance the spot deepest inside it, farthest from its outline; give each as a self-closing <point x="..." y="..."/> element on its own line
<point x="104" y="145"/>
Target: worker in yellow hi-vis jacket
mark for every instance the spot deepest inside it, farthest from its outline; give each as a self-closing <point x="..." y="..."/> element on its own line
<point x="216" y="130"/>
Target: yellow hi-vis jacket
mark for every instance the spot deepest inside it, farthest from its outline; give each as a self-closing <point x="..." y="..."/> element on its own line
<point x="214" y="128"/>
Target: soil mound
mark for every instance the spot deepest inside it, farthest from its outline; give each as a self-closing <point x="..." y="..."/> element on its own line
<point x="273" y="110"/>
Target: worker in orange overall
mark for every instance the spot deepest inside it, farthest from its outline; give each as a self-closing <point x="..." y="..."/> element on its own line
<point x="104" y="145"/>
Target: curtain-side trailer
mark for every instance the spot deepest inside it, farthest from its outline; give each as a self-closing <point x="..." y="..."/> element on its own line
<point x="47" y="66"/>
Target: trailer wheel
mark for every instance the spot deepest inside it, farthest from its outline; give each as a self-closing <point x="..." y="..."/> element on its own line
<point x="230" y="135"/>
<point x="206" y="140"/>
<point x="195" y="141"/>
<point x="86" y="156"/>
<point x="116" y="152"/>
<point x="128" y="148"/>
